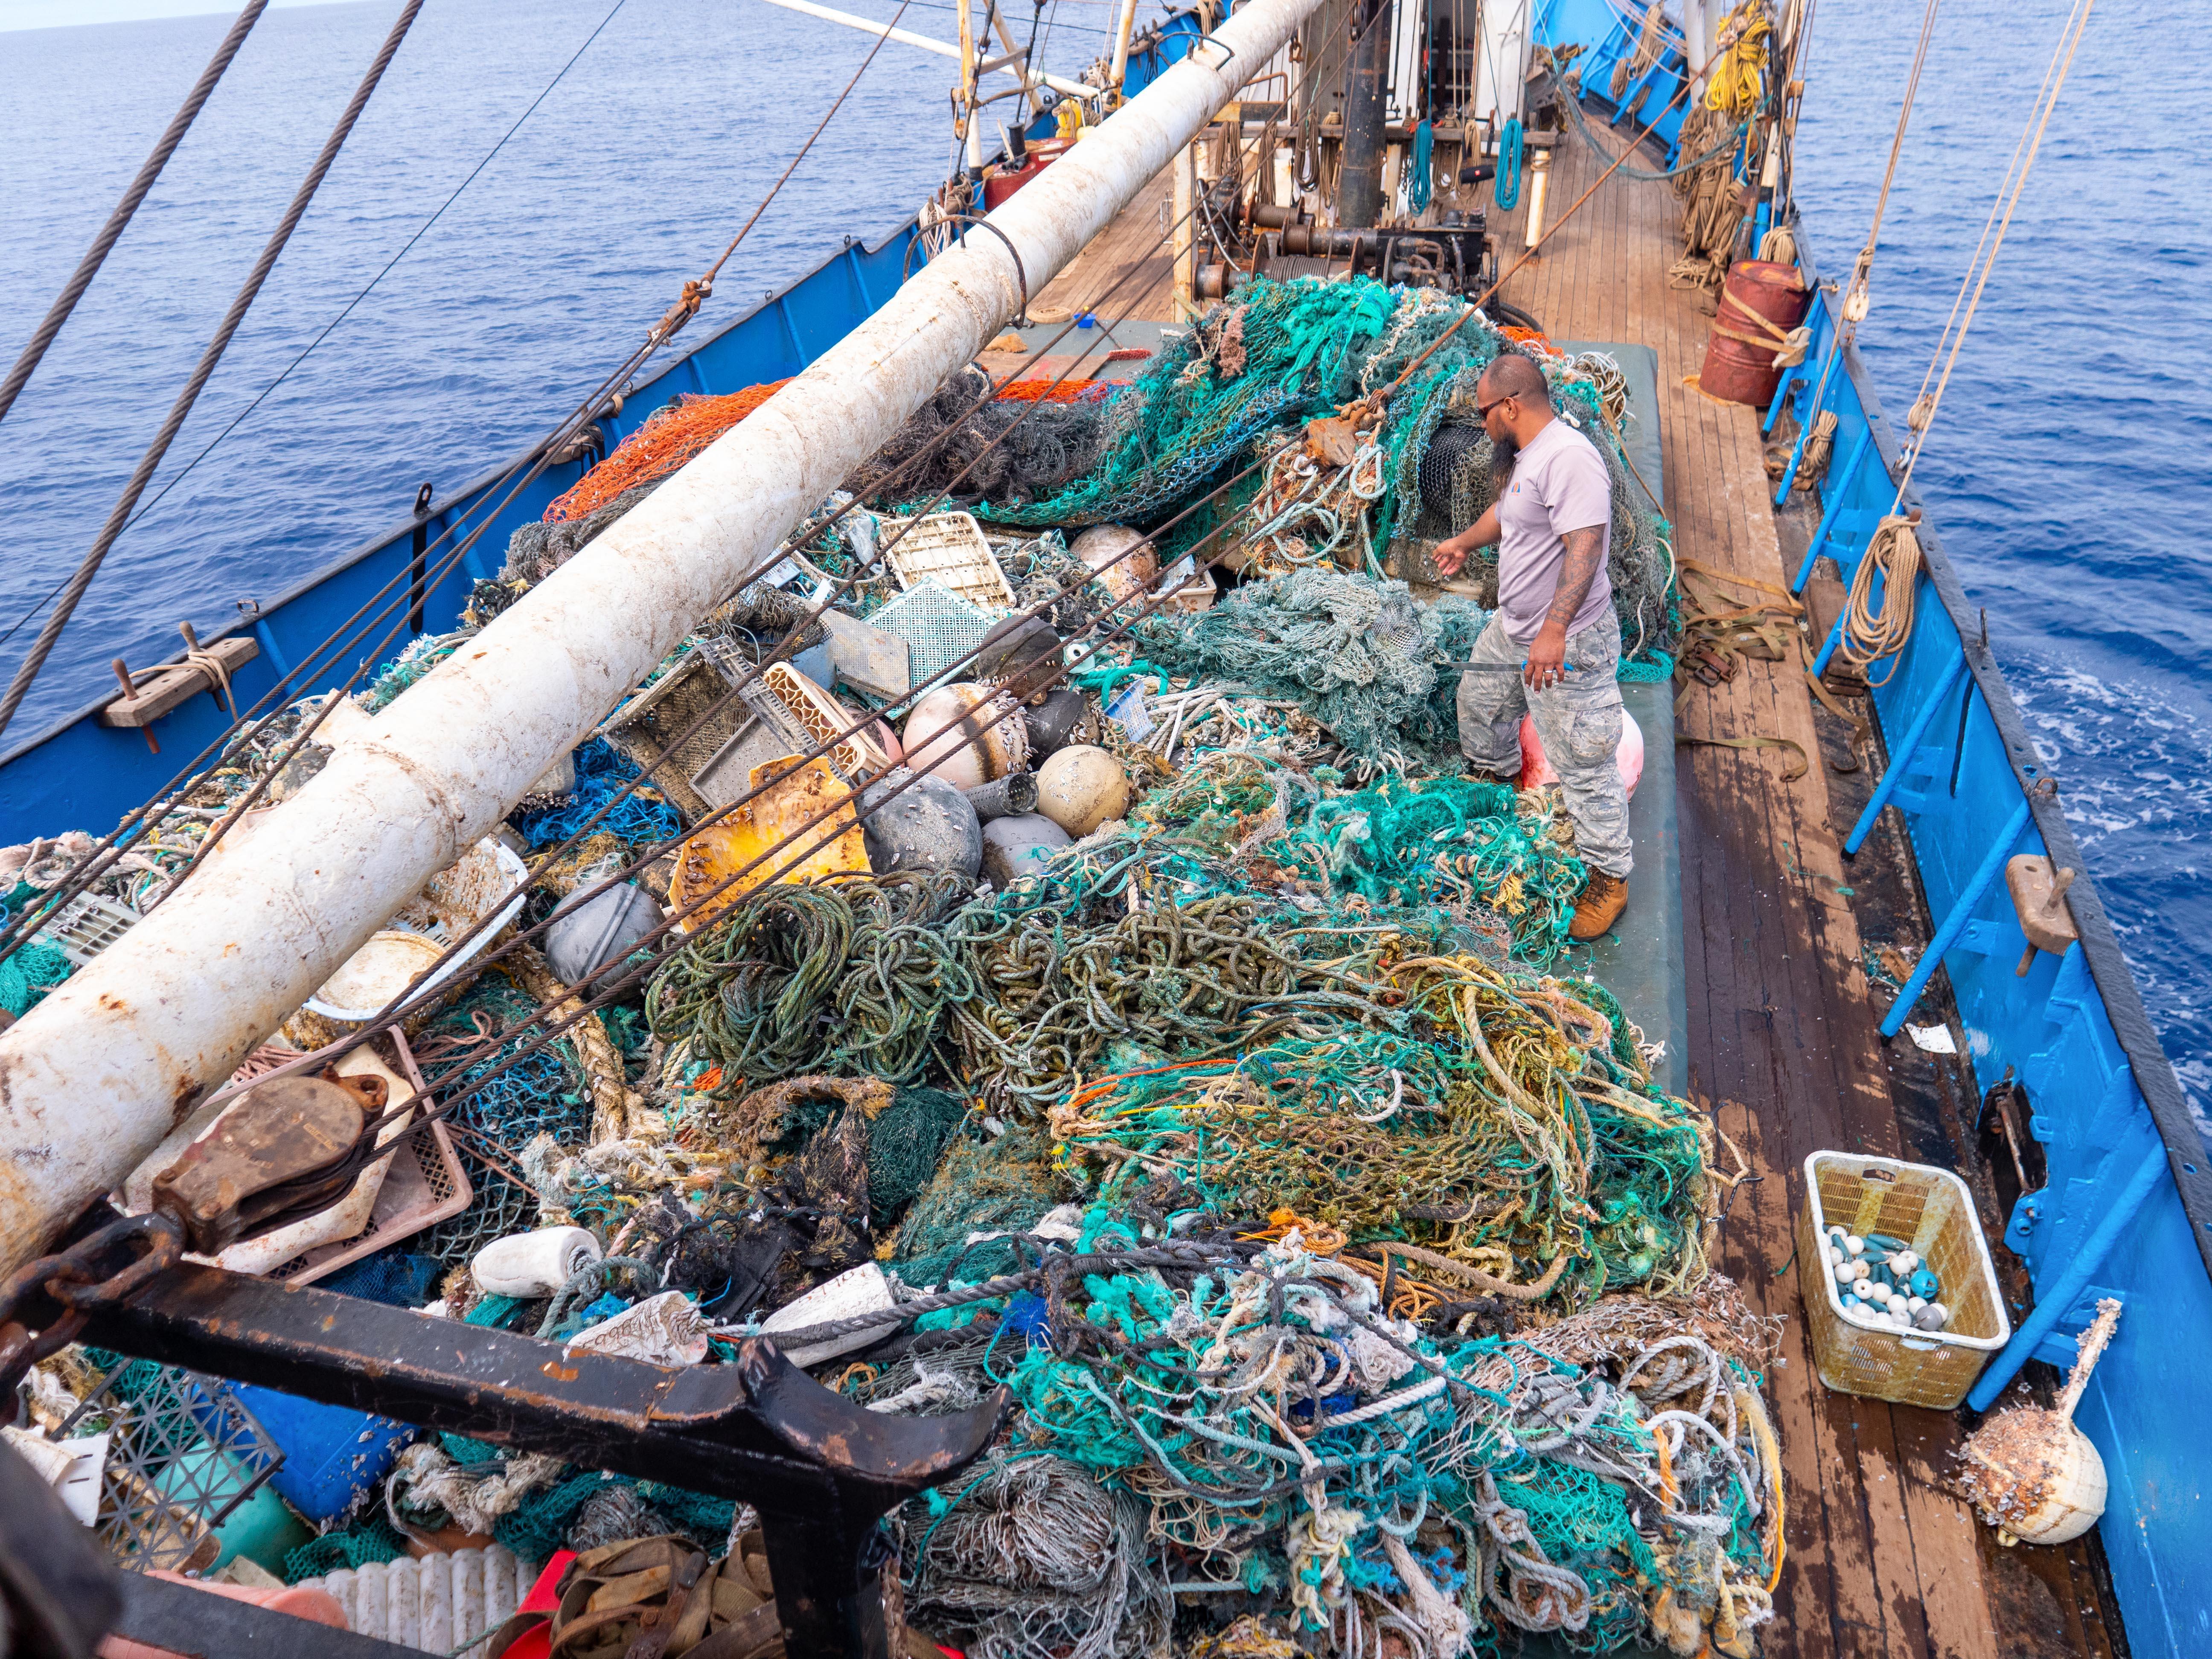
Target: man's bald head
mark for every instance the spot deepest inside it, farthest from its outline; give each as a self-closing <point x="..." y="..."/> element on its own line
<point x="1512" y="375"/>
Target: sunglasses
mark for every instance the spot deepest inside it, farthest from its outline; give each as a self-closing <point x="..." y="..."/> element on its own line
<point x="1482" y="411"/>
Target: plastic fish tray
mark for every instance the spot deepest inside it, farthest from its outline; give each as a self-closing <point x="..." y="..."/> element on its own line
<point x="687" y="714"/>
<point x="859" y="756"/>
<point x="87" y="925"/>
<point x="426" y="1183"/>
<point x="939" y="628"/>
<point x="948" y="549"/>
<point x="1933" y="1212"/>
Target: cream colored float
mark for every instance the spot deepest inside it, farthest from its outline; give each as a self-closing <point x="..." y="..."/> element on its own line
<point x="2034" y="1475"/>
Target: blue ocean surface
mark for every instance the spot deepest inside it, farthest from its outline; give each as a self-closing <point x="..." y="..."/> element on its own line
<point x="2070" y="472"/>
<point x="628" y="180"/>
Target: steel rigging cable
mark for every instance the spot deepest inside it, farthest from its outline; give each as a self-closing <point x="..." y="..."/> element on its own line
<point x="96" y="255"/>
<point x="143" y="473"/>
<point x="405" y="248"/>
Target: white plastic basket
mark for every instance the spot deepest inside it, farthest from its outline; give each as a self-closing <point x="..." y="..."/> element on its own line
<point x="1933" y="1212"/>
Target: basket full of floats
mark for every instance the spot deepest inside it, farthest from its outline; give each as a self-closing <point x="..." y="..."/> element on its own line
<point x="1901" y="1295"/>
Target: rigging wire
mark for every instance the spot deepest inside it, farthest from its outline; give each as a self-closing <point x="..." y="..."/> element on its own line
<point x="406" y="247"/>
<point x="578" y="1009"/>
<point x="1878" y="627"/>
<point x="116" y="845"/>
<point x="148" y="171"/>
<point x="28" y="671"/>
<point x="86" y="874"/>
<point x="693" y="296"/>
<point x="405" y="1001"/>
<point x="1857" y="300"/>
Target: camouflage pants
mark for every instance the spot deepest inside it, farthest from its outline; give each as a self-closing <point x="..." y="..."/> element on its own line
<point x="1578" y="719"/>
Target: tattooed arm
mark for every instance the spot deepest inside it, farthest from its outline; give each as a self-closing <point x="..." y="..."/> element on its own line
<point x="1547" y="651"/>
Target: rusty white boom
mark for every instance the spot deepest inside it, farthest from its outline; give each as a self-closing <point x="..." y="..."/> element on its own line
<point x="94" y="1077"/>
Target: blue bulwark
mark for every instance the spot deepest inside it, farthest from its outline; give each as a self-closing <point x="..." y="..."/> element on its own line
<point x="2127" y="1207"/>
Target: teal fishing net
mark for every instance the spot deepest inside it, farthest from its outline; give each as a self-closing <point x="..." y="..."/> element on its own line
<point x="33" y="968"/>
<point x="1359" y="653"/>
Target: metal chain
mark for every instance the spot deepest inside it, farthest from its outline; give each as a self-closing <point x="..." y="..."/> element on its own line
<point x="69" y="1283"/>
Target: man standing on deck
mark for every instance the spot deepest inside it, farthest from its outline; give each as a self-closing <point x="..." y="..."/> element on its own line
<point x="1552" y="522"/>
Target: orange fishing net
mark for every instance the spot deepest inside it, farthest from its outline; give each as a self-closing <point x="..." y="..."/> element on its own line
<point x="674" y="434"/>
<point x="670" y="437"/>
<point x="1040" y="391"/>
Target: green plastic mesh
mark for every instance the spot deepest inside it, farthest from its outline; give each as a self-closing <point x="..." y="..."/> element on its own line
<point x="34" y="968"/>
<point x="369" y="1540"/>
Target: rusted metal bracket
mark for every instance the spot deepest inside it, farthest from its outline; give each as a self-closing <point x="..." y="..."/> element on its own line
<point x="820" y="1471"/>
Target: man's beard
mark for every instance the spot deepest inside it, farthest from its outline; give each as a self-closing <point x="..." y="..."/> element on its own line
<point x="1502" y="453"/>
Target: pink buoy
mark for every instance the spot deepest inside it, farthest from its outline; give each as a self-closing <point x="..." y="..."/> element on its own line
<point x="1535" y="771"/>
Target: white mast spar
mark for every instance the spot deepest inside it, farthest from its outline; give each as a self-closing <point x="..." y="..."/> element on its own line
<point x="93" y="1077"/>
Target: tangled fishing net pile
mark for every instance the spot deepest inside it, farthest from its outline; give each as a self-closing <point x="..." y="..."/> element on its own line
<point x="1344" y="1261"/>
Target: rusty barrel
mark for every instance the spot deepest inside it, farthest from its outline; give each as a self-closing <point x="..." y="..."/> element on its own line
<point x="1761" y="301"/>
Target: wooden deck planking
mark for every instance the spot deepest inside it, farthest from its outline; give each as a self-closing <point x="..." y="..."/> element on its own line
<point x="1127" y="270"/>
<point x="1783" y="1026"/>
<point x="1882" y="1560"/>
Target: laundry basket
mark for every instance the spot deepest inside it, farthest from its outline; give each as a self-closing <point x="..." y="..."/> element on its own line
<point x="1932" y="1211"/>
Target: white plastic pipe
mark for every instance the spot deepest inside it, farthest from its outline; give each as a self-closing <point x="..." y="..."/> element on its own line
<point x="93" y="1077"/>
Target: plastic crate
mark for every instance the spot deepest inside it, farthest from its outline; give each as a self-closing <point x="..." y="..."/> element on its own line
<point x="939" y="628"/>
<point x="87" y="925"/>
<point x="1933" y="1212"/>
<point x="948" y="549"/>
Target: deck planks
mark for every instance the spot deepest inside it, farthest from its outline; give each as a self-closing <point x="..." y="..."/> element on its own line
<point x="1881" y="1560"/>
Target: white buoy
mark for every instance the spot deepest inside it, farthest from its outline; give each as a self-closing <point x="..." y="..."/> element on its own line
<point x="2034" y="1475"/>
<point x="1855" y="1244"/>
<point x="533" y="1264"/>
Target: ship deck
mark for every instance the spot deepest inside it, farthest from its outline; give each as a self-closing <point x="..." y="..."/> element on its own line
<point x="1784" y="1045"/>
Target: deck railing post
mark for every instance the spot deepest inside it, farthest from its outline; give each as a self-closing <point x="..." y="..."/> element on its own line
<point x="1901" y="755"/>
<point x="1962" y="912"/>
<point x="1793" y="375"/>
<point x="1840" y="487"/>
<point x="2052" y="1301"/>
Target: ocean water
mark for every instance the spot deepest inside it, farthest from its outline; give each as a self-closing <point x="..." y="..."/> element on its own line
<point x="2069" y="471"/>
<point x="629" y="180"/>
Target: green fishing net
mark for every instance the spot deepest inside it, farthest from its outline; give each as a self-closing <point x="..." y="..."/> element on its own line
<point x="1358" y="652"/>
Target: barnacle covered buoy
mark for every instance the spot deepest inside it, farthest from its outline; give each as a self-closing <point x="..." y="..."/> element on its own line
<point x="966" y="734"/>
<point x="926" y="824"/>
<point x="1081" y="788"/>
<point x="2030" y="1473"/>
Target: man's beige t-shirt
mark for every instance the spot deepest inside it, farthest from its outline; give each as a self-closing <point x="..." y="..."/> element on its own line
<point x="1559" y="484"/>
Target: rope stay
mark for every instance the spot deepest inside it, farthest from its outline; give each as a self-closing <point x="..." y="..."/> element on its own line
<point x="1877" y="627"/>
<point x="148" y="171"/>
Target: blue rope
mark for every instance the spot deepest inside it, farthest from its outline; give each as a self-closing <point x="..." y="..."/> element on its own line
<point x="1505" y="188"/>
<point x="601" y="771"/>
<point x="1425" y="141"/>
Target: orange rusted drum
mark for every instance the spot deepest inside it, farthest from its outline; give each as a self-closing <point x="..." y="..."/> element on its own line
<point x="1761" y="302"/>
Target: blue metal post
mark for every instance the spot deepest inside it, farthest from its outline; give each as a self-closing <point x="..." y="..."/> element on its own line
<point x="1828" y="646"/>
<point x="1900" y="756"/>
<point x="1792" y="378"/>
<point x="267" y="635"/>
<point x="2052" y="1301"/>
<point x="1962" y="912"/>
<point x="1840" y="487"/>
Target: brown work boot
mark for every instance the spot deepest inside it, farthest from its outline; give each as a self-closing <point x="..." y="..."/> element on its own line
<point x="1599" y="908"/>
